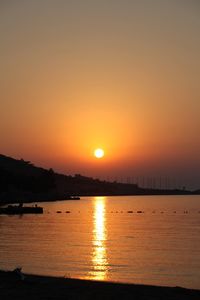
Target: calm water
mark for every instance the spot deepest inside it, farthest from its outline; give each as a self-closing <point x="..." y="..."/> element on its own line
<point x="98" y="239"/>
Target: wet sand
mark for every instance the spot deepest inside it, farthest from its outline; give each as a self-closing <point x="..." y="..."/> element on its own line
<point x="12" y="286"/>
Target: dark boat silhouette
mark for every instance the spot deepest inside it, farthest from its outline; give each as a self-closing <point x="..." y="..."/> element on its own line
<point x="20" y="209"/>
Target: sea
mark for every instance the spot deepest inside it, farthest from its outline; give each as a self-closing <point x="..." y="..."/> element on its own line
<point x="132" y="239"/>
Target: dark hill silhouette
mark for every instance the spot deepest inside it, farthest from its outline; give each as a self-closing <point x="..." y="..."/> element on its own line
<point x="21" y="181"/>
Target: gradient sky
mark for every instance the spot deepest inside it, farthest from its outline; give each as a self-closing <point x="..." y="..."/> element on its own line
<point x="121" y="75"/>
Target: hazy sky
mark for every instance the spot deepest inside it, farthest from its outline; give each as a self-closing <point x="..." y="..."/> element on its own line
<point x="123" y="75"/>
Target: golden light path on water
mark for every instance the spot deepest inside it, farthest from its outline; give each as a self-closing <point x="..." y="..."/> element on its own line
<point x="99" y="254"/>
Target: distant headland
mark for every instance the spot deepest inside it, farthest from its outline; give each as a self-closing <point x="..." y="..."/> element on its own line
<point x="21" y="181"/>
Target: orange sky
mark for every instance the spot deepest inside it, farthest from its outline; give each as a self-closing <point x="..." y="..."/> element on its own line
<point x="121" y="75"/>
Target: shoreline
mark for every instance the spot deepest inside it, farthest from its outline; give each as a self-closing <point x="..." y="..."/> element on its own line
<point x="27" y="286"/>
<point x="56" y="199"/>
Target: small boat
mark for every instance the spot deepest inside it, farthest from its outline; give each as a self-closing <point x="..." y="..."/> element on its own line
<point x="73" y="198"/>
<point x="20" y="209"/>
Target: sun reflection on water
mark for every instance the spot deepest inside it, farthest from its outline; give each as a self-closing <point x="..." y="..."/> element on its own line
<point x="99" y="254"/>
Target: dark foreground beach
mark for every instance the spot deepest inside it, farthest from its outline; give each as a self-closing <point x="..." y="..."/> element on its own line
<point x="13" y="286"/>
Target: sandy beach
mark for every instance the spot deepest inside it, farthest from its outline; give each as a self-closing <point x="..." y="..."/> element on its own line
<point x="12" y="286"/>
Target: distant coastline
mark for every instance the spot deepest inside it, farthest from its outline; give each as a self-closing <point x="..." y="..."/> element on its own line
<point x="21" y="181"/>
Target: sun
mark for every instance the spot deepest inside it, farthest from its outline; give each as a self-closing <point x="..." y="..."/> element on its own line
<point x="99" y="153"/>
